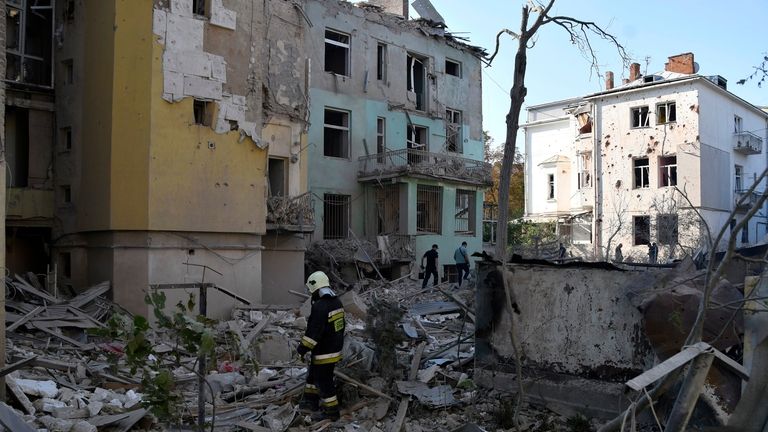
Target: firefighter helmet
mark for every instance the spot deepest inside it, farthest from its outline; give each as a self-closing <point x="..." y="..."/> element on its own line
<point x="317" y="280"/>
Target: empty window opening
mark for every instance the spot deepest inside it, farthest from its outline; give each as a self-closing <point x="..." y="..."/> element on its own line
<point x="29" y="42"/>
<point x="381" y="62"/>
<point x="550" y="186"/>
<point x="203" y="112"/>
<point x="336" y="133"/>
<point x="69" y="71"/>
<point x="66" y="138"/>
<point x="737" y="124"/>
<point x="69" y="10"/>
<point x="278" y="177"/>
<point x="198" y="7"/>
<point x="666" y="113"/>
<point x="640" y="117"/>
<point x="335" y="216"/>
<point x="641" y="230"/>
<point x="739" y="178"/>
<point x="667" y="171"/>
<point x="453" y="135"/>
<point x="584" y="161"/>
<point x="745" y="233"/>
<point x="429" y="204"/>
<point x="66" y="194"/>
<point x="336" y="52"/>
<point x="642" y="170"/>
<point x="585" y="122"/>
<point x="65" y="260"/>
<point x="453" y="68"/>
<point x="417" y="80"/>
<point x="17" y="146"/>
<point x="381" y="139"/>
<point x="465" y="212"/>
<point x="416" y="143"/>
<point x="666" y="228"/>
<point x="387" y="209"/>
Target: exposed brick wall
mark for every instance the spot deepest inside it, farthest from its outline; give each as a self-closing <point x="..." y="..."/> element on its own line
<point x="681" y="63"/>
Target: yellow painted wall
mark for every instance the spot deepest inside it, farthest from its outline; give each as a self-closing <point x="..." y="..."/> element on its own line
<point x="98" y="66"/>
<point x="201" y="180"/>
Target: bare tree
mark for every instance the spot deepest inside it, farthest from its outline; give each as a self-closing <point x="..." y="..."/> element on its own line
<point x="760" y="73"/>
<point x="616" y="224"/>
<point x="580" y="33"/>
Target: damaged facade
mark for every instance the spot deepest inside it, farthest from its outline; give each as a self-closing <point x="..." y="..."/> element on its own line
<point x="174" y="139"/>
<point x="606" y="166"/>
<point x="395" y="139"/>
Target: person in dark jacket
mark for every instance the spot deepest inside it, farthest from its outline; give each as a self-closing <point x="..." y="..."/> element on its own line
<point x="325" y="339"/>
<point x="431" y="258"/>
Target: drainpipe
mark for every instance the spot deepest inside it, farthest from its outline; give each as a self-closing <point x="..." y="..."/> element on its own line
<point x="597" y="213"/>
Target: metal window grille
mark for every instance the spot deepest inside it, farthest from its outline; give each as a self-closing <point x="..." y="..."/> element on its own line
<point x="429" y="204"/>
<point x="465" y="212"/>
<point x="335" y="216"/>
<point x="387" y="209"/>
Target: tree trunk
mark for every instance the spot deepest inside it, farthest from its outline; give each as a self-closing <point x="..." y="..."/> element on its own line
<point x="516" y="96"/>
<point x="751" y="414"/>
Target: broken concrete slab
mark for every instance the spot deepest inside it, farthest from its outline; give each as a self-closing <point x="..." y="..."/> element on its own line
<point x="354" y="305"/>
<point x="435" y="397"/>
<point x="12" y="421"/>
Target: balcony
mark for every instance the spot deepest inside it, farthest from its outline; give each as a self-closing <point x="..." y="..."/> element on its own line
<point x="747" y="143"/>
<point x="748" y="201"/>
<point x="418" y="163"/>
<point x="291" y="213"/>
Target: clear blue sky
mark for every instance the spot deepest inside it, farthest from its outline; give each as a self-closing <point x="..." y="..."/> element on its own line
<point x="727" y="38"/>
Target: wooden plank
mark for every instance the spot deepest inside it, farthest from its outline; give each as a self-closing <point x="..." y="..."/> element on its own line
<point x="662" y="369"/>
<point x="24" y="319"/>
<point x="256" y="331"/>
<point x="89" y="295"/>
<point x="69" y="340"/>
<point x="11" y="421"/>
<point x="369" y="389"/>
<point x="19" y="395"/>
<point x="19" y="364"/>
<point x="26" y="287"/>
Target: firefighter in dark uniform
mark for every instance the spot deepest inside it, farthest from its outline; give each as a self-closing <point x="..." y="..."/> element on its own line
<point x="325" y="339"/>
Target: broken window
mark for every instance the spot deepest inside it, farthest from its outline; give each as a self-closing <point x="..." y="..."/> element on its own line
<point x="381" y="139"/>
<point x="584" y="161"/>
<point x="739" y="178"/>
<point x="585" y="122"/>
<point x="667" y="171"/>
<point x="335" y="216"/>
<point x="666" y="113"/>
<point x="417" y="80"/>
<point x="29" y="42"/>
<point x="203" y="112"/>
<point x="17" y="146"/>
<point x="737" y="124"/>
<point x="640" y="117"/>
<point x="429" y="204"/>
<point x="666" y="228"/>
<point x="336" y="52"/>
<point x="416" y="143"/>
<point x="453" y="136"/>
<point x="453" y="68"/>
<point x="278" y="177"/>
<point x="387" y="209"/>
<point x="336" y="133"/>
<point x="69" y="71"/>
<point x="66" y="194"/>
<point x="66" y="138"/>
<point x="381" y="62"/>
<point x="642" y="170"/>
<point x="641" y="230"/>
<point x="745" y="233"/>
<point x="198" y="7"/>
<point x="465" y="212"/>
<point x="550" y="186"/>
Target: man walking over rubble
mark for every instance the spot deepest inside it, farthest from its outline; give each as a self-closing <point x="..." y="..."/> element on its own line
<point x="431" y="269"/>
<point x="462" y="262"/>
<point x="325" y="339"/>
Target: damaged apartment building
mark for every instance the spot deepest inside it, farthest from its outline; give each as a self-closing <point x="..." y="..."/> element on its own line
<point x="395" y="139"/>
<point x="149" y="139"/>
<point x="635" y="164"/>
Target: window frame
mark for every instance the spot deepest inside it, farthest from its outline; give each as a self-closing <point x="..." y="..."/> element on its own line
<point x="381" y="61"/>
<point x="423" y="222"/>
<point x="665" y="106"/>
<point x="381" y="139"/>
<point x="458" y="67"/>
<point x="646" y="184"/>
<point x="47" y="58"/>
<point x="738" y="178"/>
<point x="345" y="130"/>
<point x="671" y="171"/>
<point x="451" y="115"/>
<point x="646" y="228"/>
<point x="551" y="185"/>
<point x="470" y="211"/>
<point x="346" y="46"/>
<point x="738" y="124"/>
<point x="641" y="110"/>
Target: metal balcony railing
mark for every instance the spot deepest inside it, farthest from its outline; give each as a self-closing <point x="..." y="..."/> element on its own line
<point x="288" y="212"/>
<point x="419" y="162"/>
<point x="749" y="199"/>
<point x="747" y="143"/>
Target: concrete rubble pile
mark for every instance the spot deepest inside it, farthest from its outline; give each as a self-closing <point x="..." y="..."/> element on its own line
<point x="68" y="380"/>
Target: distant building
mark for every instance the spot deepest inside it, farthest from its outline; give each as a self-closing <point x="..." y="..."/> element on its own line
<point x="395" y="135"/>
<point x="605" y="166"/>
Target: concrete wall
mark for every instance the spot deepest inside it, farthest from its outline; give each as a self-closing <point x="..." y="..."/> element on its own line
<point x="575" y="321"/>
